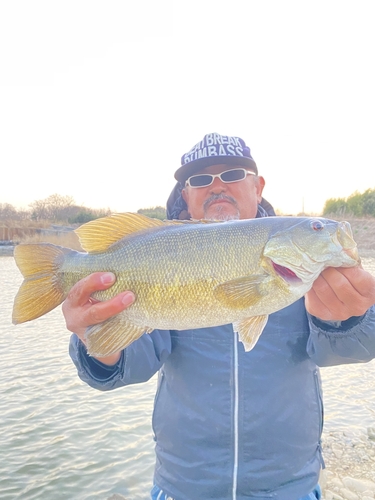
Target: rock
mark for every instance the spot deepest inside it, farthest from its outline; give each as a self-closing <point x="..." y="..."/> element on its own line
<point x="358" y="485"/>
<point x="349" y="495"/>
<point x="330" y="495"/>
<point x="337" y="450"/>
<point x="336" y="483"/>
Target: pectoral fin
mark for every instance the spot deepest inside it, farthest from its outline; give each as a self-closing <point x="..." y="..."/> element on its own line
<point x="241" y="292"/>
<point x="249" y="330"/>
<point x="112" y="336"/>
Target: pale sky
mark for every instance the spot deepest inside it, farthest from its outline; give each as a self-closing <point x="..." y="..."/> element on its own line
<point x="100" y="99"/>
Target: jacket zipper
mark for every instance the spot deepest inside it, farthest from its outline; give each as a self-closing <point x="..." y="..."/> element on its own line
<point x="321" y="411"/>
<point x="235" y="416"/>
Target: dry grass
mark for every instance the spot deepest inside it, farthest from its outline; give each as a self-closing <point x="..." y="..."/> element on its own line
<point x="363" y="232"/>
<point x="67" y="239"/>
<point x="25" y="223"/>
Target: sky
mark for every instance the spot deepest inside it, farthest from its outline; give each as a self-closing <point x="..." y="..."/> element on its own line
<point x="99" y="100"/>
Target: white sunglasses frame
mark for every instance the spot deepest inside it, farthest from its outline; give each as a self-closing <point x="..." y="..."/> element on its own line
<point x="213" y="177"/>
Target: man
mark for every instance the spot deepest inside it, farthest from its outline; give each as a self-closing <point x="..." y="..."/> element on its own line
<point x="231" y="424"/>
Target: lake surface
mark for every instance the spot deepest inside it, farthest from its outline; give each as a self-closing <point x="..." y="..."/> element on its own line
<point x="60" y="439"/>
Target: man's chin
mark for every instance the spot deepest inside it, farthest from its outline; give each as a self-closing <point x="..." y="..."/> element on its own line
<point x="222" y="212"/>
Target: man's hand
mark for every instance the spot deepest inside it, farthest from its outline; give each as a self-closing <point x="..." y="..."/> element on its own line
<point x="81" y="311"/>
<point x="340" y="293"/>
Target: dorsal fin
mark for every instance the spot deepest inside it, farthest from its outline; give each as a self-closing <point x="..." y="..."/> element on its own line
<point x="98" y="235"/>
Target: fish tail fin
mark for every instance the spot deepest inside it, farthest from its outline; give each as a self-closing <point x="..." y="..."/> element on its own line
<point x="41" y="290"/>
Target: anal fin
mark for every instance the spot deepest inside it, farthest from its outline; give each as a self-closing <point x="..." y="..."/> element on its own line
<point x="250" y="329"/>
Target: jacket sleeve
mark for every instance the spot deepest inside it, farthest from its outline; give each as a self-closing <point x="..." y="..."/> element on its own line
<point x="336" y="343"/>
<point x="138" y="362"/>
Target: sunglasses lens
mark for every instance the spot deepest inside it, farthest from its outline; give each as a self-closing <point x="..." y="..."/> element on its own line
<point x="237" y="174"/>
<point x="234" y="175"/>
<point x="200" y="180"/>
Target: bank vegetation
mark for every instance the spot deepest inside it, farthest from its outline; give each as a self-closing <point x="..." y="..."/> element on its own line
<point x="54" y="217"/>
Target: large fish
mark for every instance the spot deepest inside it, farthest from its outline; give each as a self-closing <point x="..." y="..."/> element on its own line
<point x="185" y="275"/>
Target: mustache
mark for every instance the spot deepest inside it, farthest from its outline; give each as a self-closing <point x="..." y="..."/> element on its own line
<point x="218" y="197"/>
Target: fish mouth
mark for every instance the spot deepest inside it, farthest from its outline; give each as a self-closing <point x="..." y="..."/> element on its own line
<point x="345" y="239"/>
<point x="286" y="273"/>
<point x="353" y="253"/>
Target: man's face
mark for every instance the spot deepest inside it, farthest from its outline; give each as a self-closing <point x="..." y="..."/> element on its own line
<point x="224" y="201"/>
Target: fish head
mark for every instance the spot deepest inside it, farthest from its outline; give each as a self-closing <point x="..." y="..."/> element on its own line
<point x="302" y="249"/>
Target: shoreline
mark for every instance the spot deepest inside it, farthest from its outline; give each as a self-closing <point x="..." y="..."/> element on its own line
<point x="6" y="250"/>
<point x="363" y="233"/>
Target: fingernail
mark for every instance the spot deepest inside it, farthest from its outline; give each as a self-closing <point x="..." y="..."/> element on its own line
<point x="128" y="298"/>
<point x="107" y="278"/>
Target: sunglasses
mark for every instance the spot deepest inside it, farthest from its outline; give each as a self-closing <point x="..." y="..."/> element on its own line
<point x="204" y="180"/>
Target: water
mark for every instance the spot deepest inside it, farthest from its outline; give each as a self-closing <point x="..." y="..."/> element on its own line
<point x="61" y="439"/>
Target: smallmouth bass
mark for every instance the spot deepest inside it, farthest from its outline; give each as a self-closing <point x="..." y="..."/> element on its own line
<point x="185" y="274"/>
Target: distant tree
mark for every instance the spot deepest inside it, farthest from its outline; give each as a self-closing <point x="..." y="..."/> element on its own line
<point x="23" y="215"/>
<point x="59" y="206"/>
<point x="354" y="204"/>
<point x="86" y="215"/>
<point x="39" y="210"/>
<point x="82" y="217"/>
<point x="53" y="208"/>
<point x="8" y="212"/>
<point x="357" y="204"/>
<point x="369" y="202"/>
<point x="334" y="206"/>
<point x="154" y="212"/>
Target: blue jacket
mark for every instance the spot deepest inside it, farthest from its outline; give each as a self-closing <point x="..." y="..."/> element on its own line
<point x="230" y="424"/>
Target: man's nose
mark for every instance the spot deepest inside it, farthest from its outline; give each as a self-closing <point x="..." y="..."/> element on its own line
<point x="218" y="186"/>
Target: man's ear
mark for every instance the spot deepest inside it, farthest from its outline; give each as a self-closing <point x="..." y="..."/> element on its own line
<point x="185" y="196"/>
<point x="260" y="186"/>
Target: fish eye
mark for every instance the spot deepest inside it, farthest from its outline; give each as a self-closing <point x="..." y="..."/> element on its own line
<point x="317" y="225"/>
